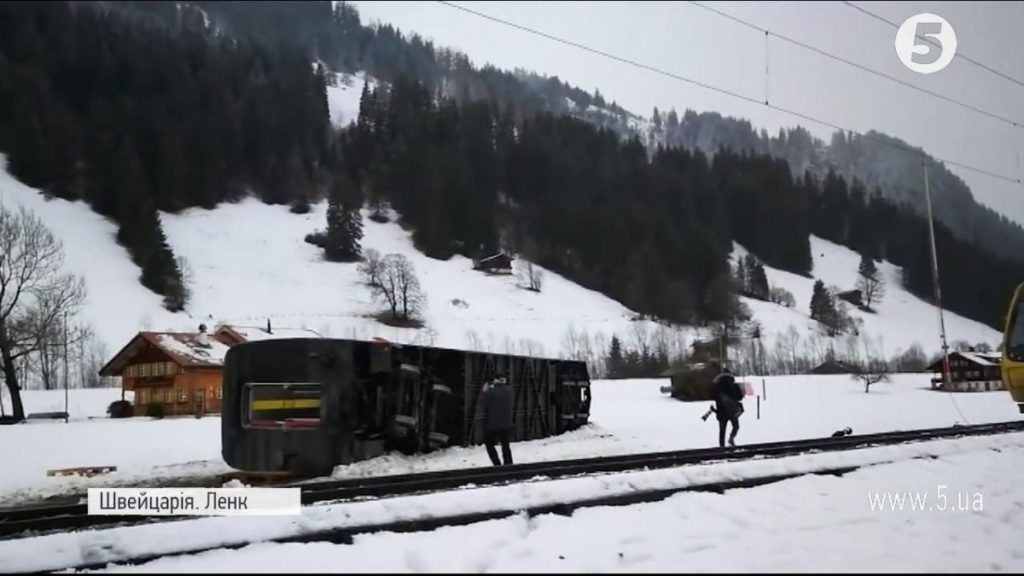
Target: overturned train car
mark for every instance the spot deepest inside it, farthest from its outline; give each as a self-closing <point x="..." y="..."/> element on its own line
<point x="307" y="405"/>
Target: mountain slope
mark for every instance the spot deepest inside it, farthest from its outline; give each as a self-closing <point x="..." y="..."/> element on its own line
<point x="249" y="263"/>
<point x="901" y="319"/>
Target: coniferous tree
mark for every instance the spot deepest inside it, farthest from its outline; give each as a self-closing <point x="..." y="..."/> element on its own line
<point x="344" y="223"/>
<point x="759" y="282"/>
<point x="742" y="280"/>
<point x="822" y="305"/>
<point x="615" y="358"/>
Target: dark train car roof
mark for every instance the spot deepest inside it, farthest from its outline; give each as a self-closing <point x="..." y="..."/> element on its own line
<point x="270" y="342"/>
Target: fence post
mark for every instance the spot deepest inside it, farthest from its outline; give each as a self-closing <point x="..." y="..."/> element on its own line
<point x="758" y="407"/>
<point x="764" y="392"/>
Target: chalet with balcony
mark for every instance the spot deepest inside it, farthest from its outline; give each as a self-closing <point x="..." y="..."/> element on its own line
<point x="182" y="371"/>
<point x="969" y="372"/>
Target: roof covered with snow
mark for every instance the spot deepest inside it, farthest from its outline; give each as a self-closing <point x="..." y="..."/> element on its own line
<point x="183" y="348"/>
<point x="256" y="333"/>
<point x="187" y="350"/>
<point x="978" y="358"/>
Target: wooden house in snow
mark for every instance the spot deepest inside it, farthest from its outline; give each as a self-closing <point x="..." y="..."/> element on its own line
<point x="183" y="371"/>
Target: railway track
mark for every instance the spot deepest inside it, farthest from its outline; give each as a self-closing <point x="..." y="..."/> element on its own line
<point x="71" y="515"/>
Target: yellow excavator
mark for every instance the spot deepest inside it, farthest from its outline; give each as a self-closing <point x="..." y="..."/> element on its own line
<point x="1012" y="365"/>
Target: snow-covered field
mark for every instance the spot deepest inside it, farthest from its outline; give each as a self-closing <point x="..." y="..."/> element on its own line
<point x="628" y="416"/>
<point x="82" y="404"/>
<point x="771" y="525"/>
<point x="808" y="524"/>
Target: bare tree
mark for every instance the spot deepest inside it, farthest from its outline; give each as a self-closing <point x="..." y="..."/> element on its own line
<point x="474" y="340"/>
<point x="187" y="276"/>
<point x="912" y="360"/>
<point x="399" y="287"/>
<point x="642" y="338"/>
<point x="870" y="283"/>
<point x="371" y="266"/>
<point x="35" y="295"/>
<point x="572" y="343"/>
<point x="788" y="343"/>
<point x="530" y="277"/>
<point x="780" y="295"/>
<point x="531" y="347"/>
<point x="875" y="371"/>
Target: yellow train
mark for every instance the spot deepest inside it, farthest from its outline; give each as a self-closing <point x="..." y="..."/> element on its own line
<point x="1013" y="348"/>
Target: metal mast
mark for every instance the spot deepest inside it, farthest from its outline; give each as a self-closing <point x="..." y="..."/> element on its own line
<point x="935" y="281"/>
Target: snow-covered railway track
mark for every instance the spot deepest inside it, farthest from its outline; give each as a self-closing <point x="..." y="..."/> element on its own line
<point x="31" y="521"/>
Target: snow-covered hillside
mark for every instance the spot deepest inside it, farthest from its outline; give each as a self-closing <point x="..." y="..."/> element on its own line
<point x="249" y="262"/>
<point x="258" y="250"/>
<point x="900" y="318"/>
<point x="343" y="97"/>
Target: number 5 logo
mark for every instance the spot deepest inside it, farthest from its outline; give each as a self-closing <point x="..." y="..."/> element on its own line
<point x="916" y="43"/>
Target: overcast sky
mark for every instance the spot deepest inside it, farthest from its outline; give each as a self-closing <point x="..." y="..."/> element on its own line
<point x="687" y="40"/>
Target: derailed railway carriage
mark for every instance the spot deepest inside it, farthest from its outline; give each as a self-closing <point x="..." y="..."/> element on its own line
<point x="306" y="405"/>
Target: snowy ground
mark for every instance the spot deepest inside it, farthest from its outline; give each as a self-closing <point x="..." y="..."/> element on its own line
<point x="816" y="524"/>
<point x="809" y="524"/>
<point x="82" y="404"/>
<point x="343" y="97"/>
<point x="627" y="417"/>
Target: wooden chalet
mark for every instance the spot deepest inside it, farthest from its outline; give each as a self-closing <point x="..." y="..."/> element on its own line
<point x="851" y="296"/>
<point x="833" y="366"/>
<point x="499" y="263"/>
<point x="183" y="371"/>
<point x="969" y="372"/>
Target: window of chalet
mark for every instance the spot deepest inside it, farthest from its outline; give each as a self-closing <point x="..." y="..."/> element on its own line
<point x="182" y="395"/>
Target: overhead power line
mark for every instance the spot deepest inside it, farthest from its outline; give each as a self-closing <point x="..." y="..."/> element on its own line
<point x="959" y="54"/>
<point x="827" y="54"/>
<point x="727" y="92"/>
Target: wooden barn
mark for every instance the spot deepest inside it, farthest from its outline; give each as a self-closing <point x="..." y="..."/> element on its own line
<point x="833" y="366"/>
<point x="499" y="263"/>
<point x="183" y="371"/>
<point x="851" y="296"/>
<point x="969" y="372"/>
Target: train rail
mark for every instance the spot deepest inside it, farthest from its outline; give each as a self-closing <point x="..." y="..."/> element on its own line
<point x="71" y="515"/>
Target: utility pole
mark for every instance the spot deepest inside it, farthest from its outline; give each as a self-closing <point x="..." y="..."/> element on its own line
<point x="935" y="281"/>
<point x="65" y="367"/>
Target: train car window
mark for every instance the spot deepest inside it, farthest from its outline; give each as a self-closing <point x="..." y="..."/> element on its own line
<point x="1015" y="348"/>
<point x="284" y="404"/>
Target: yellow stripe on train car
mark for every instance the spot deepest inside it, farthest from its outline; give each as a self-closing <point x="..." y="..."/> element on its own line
<point x="296" y="403"/>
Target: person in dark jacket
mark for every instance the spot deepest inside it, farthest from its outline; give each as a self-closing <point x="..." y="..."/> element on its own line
<point x="727" y="394"/>
<point x="498" y="404"/>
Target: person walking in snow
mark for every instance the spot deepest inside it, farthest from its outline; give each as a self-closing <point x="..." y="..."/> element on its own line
<point x="728" y="396"/>
<point x="498" y="404"/>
